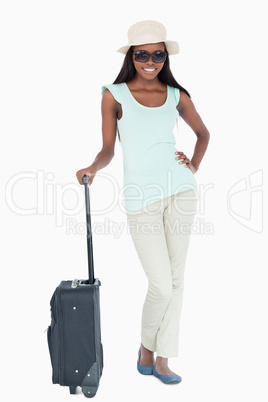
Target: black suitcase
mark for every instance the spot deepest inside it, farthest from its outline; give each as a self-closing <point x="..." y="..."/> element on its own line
<point x="74" y="336"/>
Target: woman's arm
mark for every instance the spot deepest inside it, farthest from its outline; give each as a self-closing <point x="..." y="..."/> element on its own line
<point x="109" y="110"/>
<point x="189" y="114"/>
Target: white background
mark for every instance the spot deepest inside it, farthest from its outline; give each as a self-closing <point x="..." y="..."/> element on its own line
<point x="55" y="56"/>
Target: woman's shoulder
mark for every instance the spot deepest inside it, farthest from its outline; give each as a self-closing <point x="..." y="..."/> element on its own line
<point x="114" y="89"/>
<point x="175" y="92"/>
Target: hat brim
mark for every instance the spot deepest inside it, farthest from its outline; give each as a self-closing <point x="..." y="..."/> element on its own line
<point x="172" y="47"/>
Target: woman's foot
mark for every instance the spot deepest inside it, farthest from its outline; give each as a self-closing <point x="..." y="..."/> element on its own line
<point x="161" y="366"/>
<point x="162" y="371"/>
<point x="145" y="363"/>
<point x="146" y="357"/>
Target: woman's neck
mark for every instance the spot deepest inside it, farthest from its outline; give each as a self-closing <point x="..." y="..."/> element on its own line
<point x="140" y="82"/>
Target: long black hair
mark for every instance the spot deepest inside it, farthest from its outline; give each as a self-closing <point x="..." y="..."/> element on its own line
<point x="128" y="71"/>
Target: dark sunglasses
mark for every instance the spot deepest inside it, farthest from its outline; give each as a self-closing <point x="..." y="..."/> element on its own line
<point x="142" y="56"/>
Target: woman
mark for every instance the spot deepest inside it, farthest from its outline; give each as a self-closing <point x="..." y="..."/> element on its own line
<point x="159" y="184"/>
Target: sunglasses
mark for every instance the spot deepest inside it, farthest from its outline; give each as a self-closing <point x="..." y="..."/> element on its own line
<point x="141" y="56"/>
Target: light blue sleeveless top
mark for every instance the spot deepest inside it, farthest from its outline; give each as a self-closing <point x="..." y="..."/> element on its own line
<point x="151" y="171"/>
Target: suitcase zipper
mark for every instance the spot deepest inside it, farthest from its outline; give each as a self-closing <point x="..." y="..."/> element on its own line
<point x="61" y="348"/>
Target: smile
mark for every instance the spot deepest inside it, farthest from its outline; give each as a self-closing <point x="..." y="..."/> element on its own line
<point x="149" y="70"/>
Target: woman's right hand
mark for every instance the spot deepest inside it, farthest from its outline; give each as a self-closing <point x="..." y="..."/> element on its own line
<point x="89" y="171"/>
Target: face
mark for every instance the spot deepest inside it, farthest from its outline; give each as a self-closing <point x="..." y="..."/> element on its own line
<point x="148" y="70"/>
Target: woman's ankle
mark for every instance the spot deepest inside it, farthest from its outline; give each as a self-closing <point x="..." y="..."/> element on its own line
<point x="146" y="356"/>
<point x="161" y="361"/>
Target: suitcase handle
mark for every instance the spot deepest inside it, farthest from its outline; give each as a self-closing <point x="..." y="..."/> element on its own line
<point x="89" y="232"/>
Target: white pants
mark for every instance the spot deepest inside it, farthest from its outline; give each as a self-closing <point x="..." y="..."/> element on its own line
<point x="161" y="233"/>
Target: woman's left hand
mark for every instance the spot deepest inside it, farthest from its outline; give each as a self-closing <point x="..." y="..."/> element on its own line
<point x="186" y="161"/>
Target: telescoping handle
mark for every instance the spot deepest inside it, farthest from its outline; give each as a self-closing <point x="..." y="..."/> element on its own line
<point x="89" y="233"/>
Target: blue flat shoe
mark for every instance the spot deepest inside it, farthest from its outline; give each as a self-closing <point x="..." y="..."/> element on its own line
<point x="145" y="370"/>
<point x="167" y="379"/>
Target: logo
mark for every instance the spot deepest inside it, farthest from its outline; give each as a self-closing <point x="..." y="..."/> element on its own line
<point x="245" y="201"/>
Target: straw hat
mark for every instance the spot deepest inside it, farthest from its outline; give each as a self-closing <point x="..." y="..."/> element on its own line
<point x="149" y="31"/>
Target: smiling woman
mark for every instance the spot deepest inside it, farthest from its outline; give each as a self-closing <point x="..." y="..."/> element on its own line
<point x="149" y="58"/>
<point x="160" y="188"/>
<point x="165" y="75"/>
<point x="148" y="69"/>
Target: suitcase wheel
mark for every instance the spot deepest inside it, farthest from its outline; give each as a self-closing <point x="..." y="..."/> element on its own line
<point x="89" y="392"/>
<point x="72" y="389"/>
